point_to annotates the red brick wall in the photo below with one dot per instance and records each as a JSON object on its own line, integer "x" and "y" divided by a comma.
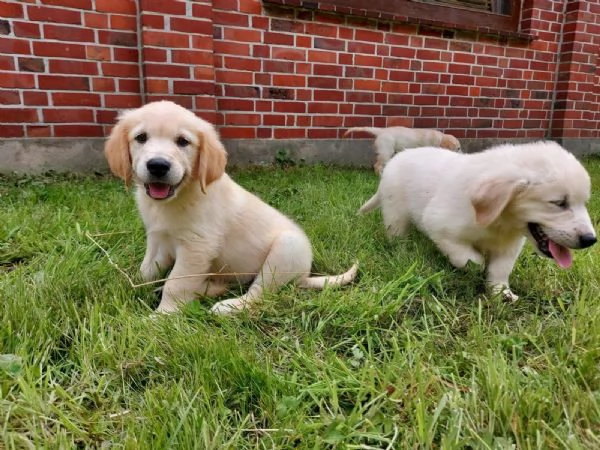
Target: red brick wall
{"x": 259, "y": 71}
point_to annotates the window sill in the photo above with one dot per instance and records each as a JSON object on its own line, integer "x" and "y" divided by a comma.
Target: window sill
{"x": 400, "y": 18}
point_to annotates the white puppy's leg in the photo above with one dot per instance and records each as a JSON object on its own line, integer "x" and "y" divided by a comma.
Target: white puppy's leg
{"x": 385, "y": 148}
{"x": 458, "y": 253}
{"x": 187, "y": 280}
{"x": 290, "y": 258}
{"x": 155, "y": 260}
{"x": 395, "y": 218}
{"x": 500, "y": 266}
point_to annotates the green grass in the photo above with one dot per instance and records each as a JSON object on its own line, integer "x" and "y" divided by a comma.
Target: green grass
{"x": 411, "y": 355}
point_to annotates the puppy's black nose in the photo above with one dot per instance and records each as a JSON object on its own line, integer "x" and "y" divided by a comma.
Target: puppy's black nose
{"x": 158, "y": 166}
{"x": 587, "y": 240}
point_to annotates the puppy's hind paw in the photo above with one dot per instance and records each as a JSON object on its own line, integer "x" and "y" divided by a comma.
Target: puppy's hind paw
{"x": 228, "y": 307}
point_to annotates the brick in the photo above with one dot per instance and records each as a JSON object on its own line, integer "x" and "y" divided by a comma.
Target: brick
{"x": 78, "y": 131}
{"x": 191, "y": 25}
{"x": 155, "y": 54}
{"x": 129, "y": 85}
{"x": 27, "y": 29}
{"x": 192, "y": 57}
{"x": 122, "y": 101}
{"x": 57, "y": 115}
{"x": 242, "y": 35}
{"x": 237, "y": 132}
{"x": 17, "y": 115}
{"x": 314, "y": 56}
{"x": 97, "y": 53}
{"x": 193, "y": 87}
{"x": 289, "y": 133}
{"x": 37, "y": 131}
{"x": 233, "y": 63}
{"x": 31, "y": 65}
{"x": 120, "y": 70}
{"x": 35, "y": 98}
{"x": 293, "y": 54}
{"x": 78, "y": 4}
{"x": 328, "y": 96}
{"x": 329, "y": 44}
{"x": 58, "y": 15}
{"x": 61, "y": 50}
{"x": 153, "y": 21}
{"x": 120, "y": 22}
{"x": 11, "y": 131}
{"x": 368, "y": 35}
{"x": 167, "y": 71}
{"x": 4, "y": 27}
{"x": 234, "y": 77}
{"x": 120, "y": 38}
{"x": 9, "y": 97}
{"x": 95, "y": 20}
{"x": 157, "y": 86}
{"x": 14, "y": 46}
{"x": 75, "y": 99}
{"x": 16, "y": 80}
{"x": 7, "y": 62}
{"x": 322, "y": 82}
{"x": 63, "y": 83}
{"x": 231, "y": 48}
{"x": 10, "y": 9}
{"x": 103, "y": 84}
{"x": 172, "y": 7}
{"x": 120, "y": 6}
{"x": 228, "y": 18}
{"x": 125, "y": 54}
{"x": 166, "y": 39}
{"x": 233, "y": 119}
{"x": 73, "y": 67}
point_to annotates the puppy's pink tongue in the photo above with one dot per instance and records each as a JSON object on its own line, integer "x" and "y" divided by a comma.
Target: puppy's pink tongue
{"x": 561, "y": 254}
{"x": 159, "y": 190}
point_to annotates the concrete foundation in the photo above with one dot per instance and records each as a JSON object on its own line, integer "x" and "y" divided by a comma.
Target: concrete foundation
{"x": 30, "y": 156}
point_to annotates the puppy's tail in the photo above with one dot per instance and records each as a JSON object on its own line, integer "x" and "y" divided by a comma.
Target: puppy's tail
{"x": 371, "y": 130}
{"x": 370, "y": 204}
{"x": 331, "y": 280}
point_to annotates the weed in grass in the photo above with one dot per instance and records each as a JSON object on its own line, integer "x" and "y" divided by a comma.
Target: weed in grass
{"x": 414, "y": 354}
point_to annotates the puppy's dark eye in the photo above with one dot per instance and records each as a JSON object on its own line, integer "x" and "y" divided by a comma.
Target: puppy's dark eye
{"x": 182, "y": 142}
{"x": 141, "y": 138}
{"x": 563, "y": 203}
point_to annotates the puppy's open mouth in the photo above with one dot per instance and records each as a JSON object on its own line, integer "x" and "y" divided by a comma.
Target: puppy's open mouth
{"x": 159, "y": 191}
{"x": 559, "y": 253}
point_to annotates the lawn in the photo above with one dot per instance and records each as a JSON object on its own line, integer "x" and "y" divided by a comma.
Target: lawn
{"x": 413, "y": 354}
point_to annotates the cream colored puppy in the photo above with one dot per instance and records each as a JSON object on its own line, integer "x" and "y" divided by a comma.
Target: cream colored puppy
{"x": 210, "y": 230}
{"x": 480, "y": 207}
{"x": 389, "y": 141}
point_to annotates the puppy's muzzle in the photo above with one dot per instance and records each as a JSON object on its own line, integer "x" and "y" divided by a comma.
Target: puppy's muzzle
{"x": 587, "y": 240}
{"x": 158, "y": 167}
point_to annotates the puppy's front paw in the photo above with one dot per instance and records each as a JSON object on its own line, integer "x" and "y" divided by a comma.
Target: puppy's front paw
{"x": 228, "y": 307}
{"x": 507, "y": 295}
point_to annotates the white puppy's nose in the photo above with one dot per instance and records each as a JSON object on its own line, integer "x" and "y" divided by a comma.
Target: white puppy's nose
{"x": 587, "y": 240}
{"x": 158, "y": 166}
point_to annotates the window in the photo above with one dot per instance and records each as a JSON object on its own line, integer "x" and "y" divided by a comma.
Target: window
{"x": 489, "y": 16}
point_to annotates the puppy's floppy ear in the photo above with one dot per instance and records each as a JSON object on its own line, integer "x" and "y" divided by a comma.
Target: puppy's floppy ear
{"x": 211, "y": 158}
{"x": 116, "y": 150}
{"x": 492, "y": 195}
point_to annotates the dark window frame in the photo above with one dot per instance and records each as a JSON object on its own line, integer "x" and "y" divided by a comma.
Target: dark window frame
{"x": 444, "y": 16}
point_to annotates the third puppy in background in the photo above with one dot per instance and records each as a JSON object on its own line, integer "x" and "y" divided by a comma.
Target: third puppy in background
{"x": 389, "y": 141}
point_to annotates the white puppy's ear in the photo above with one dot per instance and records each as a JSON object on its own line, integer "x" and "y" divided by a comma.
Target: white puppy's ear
{"x": 211, "y": 158}
{"x": 492, "y": 195}
{"x": 116, "y": 150}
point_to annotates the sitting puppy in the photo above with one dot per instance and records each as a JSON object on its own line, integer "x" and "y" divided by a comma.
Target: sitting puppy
{"x": 481, "y": 206}
{"x": 208, "y": 228}
{"x": 389, "y": 141}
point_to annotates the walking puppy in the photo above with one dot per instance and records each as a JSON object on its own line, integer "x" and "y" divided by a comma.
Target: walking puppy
{"x": 389, "y": 141}
{"x": 481, "y": 207}
{"x": 210, "y": 230}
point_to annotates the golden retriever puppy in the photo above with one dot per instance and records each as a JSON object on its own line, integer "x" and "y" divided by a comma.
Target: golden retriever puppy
{"x": 481, "y": 207}
{"x": 210, "y": 230}
{"x": 389, "y": 141}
